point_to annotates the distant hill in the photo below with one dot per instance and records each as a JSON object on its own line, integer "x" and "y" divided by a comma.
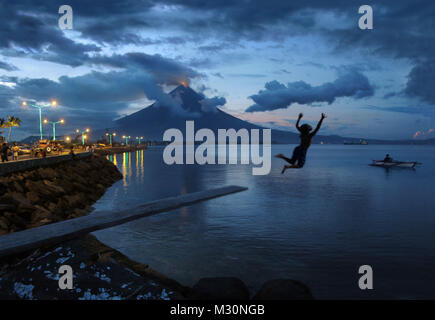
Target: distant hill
{"x": 30, "y": 139}
{"x": 152, "y": 121}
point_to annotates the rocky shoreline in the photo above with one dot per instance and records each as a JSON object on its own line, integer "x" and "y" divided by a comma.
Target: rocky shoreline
{"x": 65, "y": 191}
{"x": 50, "y": 194}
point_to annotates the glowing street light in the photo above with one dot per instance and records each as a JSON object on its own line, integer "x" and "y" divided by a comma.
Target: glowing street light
{"x": 139, "y": 138}
{"x": 110, "y": 136}
{"x": 83, "y": 133}
{"x": 54, "y": 123}
{"x": 126, "y": 139}
{"x": 53, "y": 103}
{"x": 68, "y": 139}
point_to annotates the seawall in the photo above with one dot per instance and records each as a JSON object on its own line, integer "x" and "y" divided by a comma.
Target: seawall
{"x": 23, "y": 165}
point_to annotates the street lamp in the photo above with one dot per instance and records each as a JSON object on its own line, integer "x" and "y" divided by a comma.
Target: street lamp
{"x": 139, "y": 138}
{"x": 40, "y": 107}
{"x": 126, "y": 139}
{"x": 54, "y": 123}
{"x": 110, "y": 137}
{"x": 83, "y": 133}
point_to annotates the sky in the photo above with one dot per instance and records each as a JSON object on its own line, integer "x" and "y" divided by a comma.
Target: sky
{"x": 262, "y": 61}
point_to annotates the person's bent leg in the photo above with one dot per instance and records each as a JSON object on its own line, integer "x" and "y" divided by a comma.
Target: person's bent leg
{"x": 281, "y": 156}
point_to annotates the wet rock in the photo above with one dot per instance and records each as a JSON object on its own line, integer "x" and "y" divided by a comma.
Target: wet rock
{"x": 222, "y": 288}
{"x": 283, "y": 289}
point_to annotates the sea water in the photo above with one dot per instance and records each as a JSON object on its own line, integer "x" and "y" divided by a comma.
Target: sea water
{"x": 318, "y": 224}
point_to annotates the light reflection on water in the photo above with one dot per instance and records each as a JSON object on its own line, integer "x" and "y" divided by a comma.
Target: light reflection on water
{"x": 317, "y": 225}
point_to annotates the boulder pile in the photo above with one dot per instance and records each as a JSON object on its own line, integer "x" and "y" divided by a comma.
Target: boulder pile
{"x": 50, "y": 194}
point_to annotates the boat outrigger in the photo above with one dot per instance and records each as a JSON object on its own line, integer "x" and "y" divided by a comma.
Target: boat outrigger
{"x": 394, "y": 164}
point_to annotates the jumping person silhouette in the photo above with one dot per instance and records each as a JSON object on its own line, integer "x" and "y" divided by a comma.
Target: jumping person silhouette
{"x": 300, "y": 152}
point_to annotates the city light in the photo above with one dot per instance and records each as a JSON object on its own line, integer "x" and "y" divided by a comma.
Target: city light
{"x": 110, "y": 137}
{"x": 83, "y": 133}
{"x": 126, "y": 139}
{"x": 140, "y": 139}
{"x": 40, "y": 107}
{"x": 54, "y": 123}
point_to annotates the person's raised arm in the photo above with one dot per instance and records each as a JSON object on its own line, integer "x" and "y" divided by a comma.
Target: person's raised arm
{"x": 318, "y": 125}
{"x": 297, "y": 122}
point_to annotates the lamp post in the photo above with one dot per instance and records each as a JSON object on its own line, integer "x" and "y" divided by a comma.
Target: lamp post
{"x": 110, "y": 137}
{"x": 54, "y": 123}
{"x": 126, "y": 139}
{"x": 40, "y": 107}
{"x": 139, "y": 138}
{"x": 84, "y": 136}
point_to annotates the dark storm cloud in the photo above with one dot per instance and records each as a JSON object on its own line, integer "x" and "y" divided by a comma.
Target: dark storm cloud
{"x": 26, "y": 34}
{"x": 164, "y": 70}
{"x": 254, "y": 15}
{"x": 106, "y": 92}
{"x": 421, "y": 82}
{"x": 279, "y": 96}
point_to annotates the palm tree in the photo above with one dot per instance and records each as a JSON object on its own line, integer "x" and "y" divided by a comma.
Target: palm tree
{"x": 12, "y": 122}
{"x": 2, "y": 127}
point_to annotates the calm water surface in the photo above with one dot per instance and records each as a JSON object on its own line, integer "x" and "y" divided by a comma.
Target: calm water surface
{"x": 317, "y": 225}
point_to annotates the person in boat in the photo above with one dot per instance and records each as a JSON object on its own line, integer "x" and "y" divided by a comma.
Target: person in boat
{"x": 388, "y": 159}
{"x": 299, "y": 153}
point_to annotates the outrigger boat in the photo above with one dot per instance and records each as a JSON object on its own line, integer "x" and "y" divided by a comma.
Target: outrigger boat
{"x": 394, "y": 164}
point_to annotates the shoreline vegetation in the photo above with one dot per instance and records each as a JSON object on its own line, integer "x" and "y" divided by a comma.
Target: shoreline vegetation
{"x": 67, "y": 190}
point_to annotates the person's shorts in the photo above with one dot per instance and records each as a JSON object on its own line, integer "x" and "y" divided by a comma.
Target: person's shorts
{"x": 299, "y": 156}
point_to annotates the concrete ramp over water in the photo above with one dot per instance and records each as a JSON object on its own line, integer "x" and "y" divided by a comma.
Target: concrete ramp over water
{"x": 54, "y": 233}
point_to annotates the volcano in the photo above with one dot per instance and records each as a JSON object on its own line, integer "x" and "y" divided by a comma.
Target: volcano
{"x": 152, "y": 121}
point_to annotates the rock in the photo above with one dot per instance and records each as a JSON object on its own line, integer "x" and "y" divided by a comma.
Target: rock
{"x": 20, "y": 200}
{"x": 39, "y": 187}
{"x": 79, "y": 212}
{"x": 38, "y": 216}
{"x": 32, "y": 197}
{"x": 3, "y": 188}
{"x": 4, "y": 223}
{"x": 18, "y": 187}
{"x": 54, "y": 188}
{"x": 283, "y": 289}
{"x": 15, "y": 221}
{"x": 222, "y": 288}
{"x": 48, "y": 173}
{"x": 76, "y": 200}
{"x": 52, "y": 207}
{"x": 6, "y": 207}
